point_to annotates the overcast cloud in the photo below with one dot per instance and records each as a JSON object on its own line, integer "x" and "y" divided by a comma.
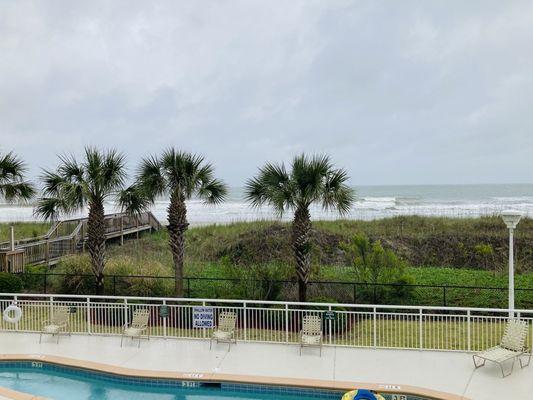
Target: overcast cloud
{"x": 395, "y": 91}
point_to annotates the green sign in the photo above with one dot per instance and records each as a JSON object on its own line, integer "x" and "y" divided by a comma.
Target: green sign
{"x": 72, "y": 309}
{"x": 163, "y": 311}
{"x": 330, "y": 315}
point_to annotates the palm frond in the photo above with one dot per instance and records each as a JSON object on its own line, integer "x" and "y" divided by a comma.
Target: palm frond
{"x": 337, "y": 195}
{"x": 11, "y": 168}
{"x": 151, "y": 178}
{"x": 133, "y": 200}
{"x": 12, "y": 184}
{"x": 272, "y": 186}
{"x": 311, "y": 179}
{"x": 17, "y": 191}
{"x": 50, "y": 208}
{"x": 213, "y": 191}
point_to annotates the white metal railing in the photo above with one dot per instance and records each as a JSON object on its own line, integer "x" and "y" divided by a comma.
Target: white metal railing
{"x": 357, "y": 325}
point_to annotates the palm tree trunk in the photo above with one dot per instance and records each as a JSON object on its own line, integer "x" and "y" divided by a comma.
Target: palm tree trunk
{"x": 96, "y": 243}
{"x": 301, "y": 229}
{"x": 177, "y": 225}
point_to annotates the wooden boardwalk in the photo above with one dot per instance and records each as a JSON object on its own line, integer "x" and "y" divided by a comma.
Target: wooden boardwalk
{"x": 68, "y": 237}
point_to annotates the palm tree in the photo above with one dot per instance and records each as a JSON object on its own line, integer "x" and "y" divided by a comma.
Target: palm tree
{"x": 13, "y": 187}
{"x": 75, "y": 185}
{"x": 310, "y": 180}
{"x": 181, "y": 176}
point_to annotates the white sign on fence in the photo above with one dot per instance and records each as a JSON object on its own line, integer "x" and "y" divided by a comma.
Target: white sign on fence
{"x": 202, "y": 317}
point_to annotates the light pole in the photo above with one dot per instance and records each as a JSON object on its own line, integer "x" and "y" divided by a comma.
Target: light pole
{"x": 511, "y": 219}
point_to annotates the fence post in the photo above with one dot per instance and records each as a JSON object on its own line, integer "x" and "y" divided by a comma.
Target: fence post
{"x": 286, "y": 323}
{"x": 444, "y": 295}
{"x": 88, "y": 315}
{"x": 165, "y": 322}
{"x": 421, "y": 329}
{"x": 125, "y": 312}
{"x": 203, "y": 329}
{"x": 15, "y": 301}
{"x": 329, "y": 327}
{"x": 245, "y": 321}
{"x": 189, "y": 287}
{"x": 114, "y": 285}
{"x": 468, "y": 331}
{"x": 45, "y": 284}
{"x": 375, "y": 333}
{"x": 354, "y": 293}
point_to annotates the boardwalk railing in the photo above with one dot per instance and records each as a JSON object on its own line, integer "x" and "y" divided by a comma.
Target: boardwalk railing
{"x": 68, "y": 237}
{"x": 356, "y": 325}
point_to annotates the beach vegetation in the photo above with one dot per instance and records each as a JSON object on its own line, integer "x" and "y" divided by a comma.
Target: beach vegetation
{"x": 310, "y": 180}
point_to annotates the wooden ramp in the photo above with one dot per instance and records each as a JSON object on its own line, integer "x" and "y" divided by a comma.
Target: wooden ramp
{"x": 68, "y": 237}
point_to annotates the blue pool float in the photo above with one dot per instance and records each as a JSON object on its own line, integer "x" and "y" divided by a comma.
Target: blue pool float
{"x": 362, "y": 394}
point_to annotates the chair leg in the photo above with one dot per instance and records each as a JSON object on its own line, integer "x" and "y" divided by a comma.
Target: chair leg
{"x": 510, "y": 371}
{"x": 523, "y": 365}
{"x": 139, "y": 345}
{"x": 210, "y": 343}
{"x": 476, "y": 364}
{"x": 57, "y": 340}
{"x": 121, "y": 340}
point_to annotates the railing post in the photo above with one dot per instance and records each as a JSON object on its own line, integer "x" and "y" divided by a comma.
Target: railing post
{"x": 15, "y": 300}
{"x": 204, "y": 332}
{"x": 329, "y": 327}
{"x": 245, "y": 321}
{"x": 375, "y": 324}
{"x": 421, "y": 329}
{"x": 468, "y": 331}
{"x": 165, "y": 322}
{"x": 286, "y": 323}
{"x": 88, "y": 315}
{"x": 125, "y": 312}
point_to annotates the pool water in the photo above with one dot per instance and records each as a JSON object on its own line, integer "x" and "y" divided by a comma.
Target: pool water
{"x": 64, "y": 383}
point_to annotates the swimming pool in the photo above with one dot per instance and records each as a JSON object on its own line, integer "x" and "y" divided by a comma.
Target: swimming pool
{"x": 66, "y": 383}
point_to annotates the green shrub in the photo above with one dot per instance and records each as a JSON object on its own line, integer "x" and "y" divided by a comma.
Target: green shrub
{"x": 74, "y": 276}
{"x": 33, "y": 279}
{"x": 256, "y": 281}
{"x": 10, "y": 283}
{"x": 381, "y": 268}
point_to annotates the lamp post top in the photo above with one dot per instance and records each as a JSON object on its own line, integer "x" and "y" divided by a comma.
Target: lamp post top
{"x": 511, "y": 218}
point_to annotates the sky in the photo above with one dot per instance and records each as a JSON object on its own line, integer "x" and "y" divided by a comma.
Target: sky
{"x": 396, "y": 92}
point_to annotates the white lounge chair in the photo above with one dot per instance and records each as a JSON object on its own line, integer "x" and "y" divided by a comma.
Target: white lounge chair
{"x": 225, "y": 330}
{"x": 58, "y": 322}
{"x": 512, "y": 347}
{"x": 138, "y": 326}
{"x": 311, "y": 333}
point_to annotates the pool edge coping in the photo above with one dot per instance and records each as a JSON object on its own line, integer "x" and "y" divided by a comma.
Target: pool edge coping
{"x": 217, "y": 377}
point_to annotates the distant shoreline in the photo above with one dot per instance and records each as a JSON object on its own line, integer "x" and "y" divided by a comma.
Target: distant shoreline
{"x": 373, "y": 202}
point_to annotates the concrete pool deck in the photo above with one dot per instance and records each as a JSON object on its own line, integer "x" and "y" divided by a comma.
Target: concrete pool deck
{"x": 448, "y": 372}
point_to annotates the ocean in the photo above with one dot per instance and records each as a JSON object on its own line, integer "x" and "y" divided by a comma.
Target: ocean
{"x": 373, "y": 202}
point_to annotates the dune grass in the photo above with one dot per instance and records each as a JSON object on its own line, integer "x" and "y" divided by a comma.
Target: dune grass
{"x": 23, "y": 230}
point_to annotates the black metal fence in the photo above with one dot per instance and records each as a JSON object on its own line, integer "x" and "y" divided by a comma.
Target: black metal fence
{"x": 283, "y": 290}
